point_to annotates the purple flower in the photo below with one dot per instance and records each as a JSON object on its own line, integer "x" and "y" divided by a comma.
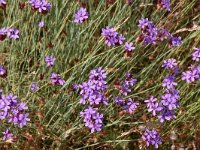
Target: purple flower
{"x": 3, "y": 71}
{"x": 4, "y": 104}
{"x": 176, "y": 41}
{"x": 125, "y": 88}
{"x": 56, "y": 79}
{"x": 81, "y": 15}
{"x": 131, "y": 105}
{"x": 151, "y": 137}
{"x": 41, "y": 24}
{"x": 169, "y": 101}
{"x": 170, "y": 63}
{"x": 41, "y": 5}
{"x": 129, "y": 47}
{"x": 93, "y": 90}
{"x": 3, "y": 33}
{"x": 50, "y": 60}
{"x": 92, "y": 119}
{"x": 168, "y": 82}
{"x": 196, "y": 54}
{"x": 22, "y": 106}
{"x": 191, "y": 75}
{"x": 13, "y": 33}
{"x": 22, "y": 119}
{"x": 143, "y": 23}
{"x": 7, "y": 135}
{"x": 34, "y": 87}
{"x": 3, "y": 3}
{"x": 164, "y": 34}
{"x": 152, "y": 105}
{"x": 166, "y": 114}
{"x": 112, "y": 38}
{"x": 119, "y": 101}
{"x": 166, "y": 4}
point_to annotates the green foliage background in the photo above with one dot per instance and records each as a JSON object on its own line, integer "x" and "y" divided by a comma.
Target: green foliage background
{"x": 55, "y": 121}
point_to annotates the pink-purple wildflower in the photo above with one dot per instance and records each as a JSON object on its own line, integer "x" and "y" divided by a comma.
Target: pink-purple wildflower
{"x": 152, "y": 137}
{"x": 7, "y": 135}
{"x": 129, "y": 47}
{"x": 13, "y": 33}
{"x": 166, "y": 4}
{"x": 3, "y": 33}
{"x": 43, "y": 6}
{"x": 3, "y": 71}
{"x": 41, "y": 24}
{"x": 169, "y": 63}
{"x": 112, "y": 37}
{"x": 13, "y": 110}
{"x": 56, "y": 79}
{"x": 196, "y": 54}
{"x": 50, "y": 60}
{"x": 81, "y": 15}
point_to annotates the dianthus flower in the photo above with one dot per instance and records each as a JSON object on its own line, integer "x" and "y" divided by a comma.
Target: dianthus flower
{"x": 129, "y": 47}
{"x": 3, "y": 71}
{"x": 191, "y": 75}
{"x": 125, "y": 88}
{"x": 3, "y": 33}
{"x": 176, "y": 41}
{"x": 196, "y": 54}
{"x": 50, "y": 60}
{"x": 169, "y": 63}
{"x": 119, "y": 101}
{"x": 13, "y": 110}
{"x": 131, "y": 105}
{"x": 41, "y": 24}
{"x": 3, "y": 3}
{"x": 166, "y": 114}
{"x": 166, "y": 4}
{"x": 168, "y": 82}
{"x": 81, "y": 15}
{"x": 34, "y": 87}
{"x": 56, "y": 79}
{"x": 42, "y": 6}
{"x": 152, "y": 105}
{"x": 92, "y": 119}
{"x": 7, "y": 135}
{"x": 151, "y": 137}
{"x": 93, "y": 90}
{"x": 13, "y": 33}
{"x": 112, "y": 38}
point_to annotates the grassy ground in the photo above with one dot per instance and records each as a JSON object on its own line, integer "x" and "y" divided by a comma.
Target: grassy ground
{"x": 54, "y": 111}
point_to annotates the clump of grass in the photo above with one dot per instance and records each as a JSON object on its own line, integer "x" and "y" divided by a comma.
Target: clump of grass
{"x": 78, "y": 48}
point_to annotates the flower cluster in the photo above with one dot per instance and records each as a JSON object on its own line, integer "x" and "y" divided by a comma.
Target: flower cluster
{"x": 92, "y": 119}
{"x": 166, "y": 4}
{"x": 13, "y": 110}
{"x": 151, "y": 34}
{"x": 125, "y": 88}
{"x": 166, "y": 108}
{"x": 43, "y": 6}
{"x": 50, "y": 60}
{"x": 11, "y": 33}
{"x": 3, "y": 72}
{"x": 169, "y": 63}
{"x": 151, "y": 137}
{"x": 112, "y": 37}
{"x": 81, "y": 16}
{"x": 56, "y": 79}
{"x": 41, "y": 24}
{"x": 3, "y": 4}
{"x": 34, "y": 87}
{"x": 7, "y": 135}
{"x": 92, "y": 92}
{"x": 191, "y": 75}
{"x": 196, "y": 54}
